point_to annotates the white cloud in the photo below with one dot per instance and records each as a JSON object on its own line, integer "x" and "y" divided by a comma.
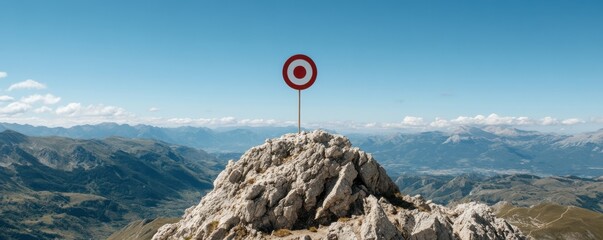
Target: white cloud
{"x": 524, "y": 121}
{"x": 180, "y": 121}
{"x": 548, "y": 121}
{"x": 27, "y": 84}
{"x": 47, "y": 99}
{"x": 440, "y": 123}
{"x": 43, "y": 109}
{"x": 14, "y": 108}
{"x": 492, "y": 119}
{"x": 102, "y": 110}
{"x": 571, "y": 121}
{"x": 3, "y": 74}
{"x": 228, "y": 120}
{"x": 75, "y": 113}
{"x": 412, "y": 121}
{"x": 77, "y": 110}
{"x": 418, "y": 123}
{"x": 6, "y": 98}
{"x": 257, "y": 122}
{"x": 69, "y": 109}
{"x": 219, "y": 122}
{"x": 408, "y": 121}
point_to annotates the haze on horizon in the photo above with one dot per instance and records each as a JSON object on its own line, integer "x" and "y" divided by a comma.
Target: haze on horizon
{"x": 389, "y": 65}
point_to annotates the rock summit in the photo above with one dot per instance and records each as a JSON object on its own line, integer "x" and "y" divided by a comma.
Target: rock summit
{"x": 315, "y": 185}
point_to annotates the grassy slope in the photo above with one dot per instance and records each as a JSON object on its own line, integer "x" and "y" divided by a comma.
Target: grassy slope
{"x": 141, "y": 229}
{"x": 552, "y": 221}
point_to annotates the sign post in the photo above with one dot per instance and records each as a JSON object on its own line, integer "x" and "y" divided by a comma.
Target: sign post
{"x": 299, "y": 73}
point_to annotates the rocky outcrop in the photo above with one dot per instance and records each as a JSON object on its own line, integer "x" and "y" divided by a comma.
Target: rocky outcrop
{"x": 317, "y": 186}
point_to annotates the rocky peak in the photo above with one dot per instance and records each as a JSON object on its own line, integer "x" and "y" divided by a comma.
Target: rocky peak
{"x": 316, "y": 185}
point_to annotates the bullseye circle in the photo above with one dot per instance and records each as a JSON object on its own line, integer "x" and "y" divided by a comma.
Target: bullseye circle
{"x": 299, "y": 72}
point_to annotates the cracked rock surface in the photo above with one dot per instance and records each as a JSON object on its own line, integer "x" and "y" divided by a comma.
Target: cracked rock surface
{"x": 318, "y": 181}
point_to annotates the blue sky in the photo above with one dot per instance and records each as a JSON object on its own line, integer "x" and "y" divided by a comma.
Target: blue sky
{"x": 387, "y": 64}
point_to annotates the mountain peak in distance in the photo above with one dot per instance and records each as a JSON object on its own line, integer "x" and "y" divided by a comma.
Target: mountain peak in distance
{"x": 12, "y": 137}
{"x": 315, "y": 185}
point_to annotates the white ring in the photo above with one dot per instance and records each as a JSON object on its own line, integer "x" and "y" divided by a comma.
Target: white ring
{"x": 304, "y": 64}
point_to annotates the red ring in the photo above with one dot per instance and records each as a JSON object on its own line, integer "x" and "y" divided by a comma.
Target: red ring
{"x": 312, "y": 78}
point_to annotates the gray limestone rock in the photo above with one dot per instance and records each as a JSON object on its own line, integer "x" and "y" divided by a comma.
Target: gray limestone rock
{"x": 376, "y": 225}
{"x": 316, "y": 180}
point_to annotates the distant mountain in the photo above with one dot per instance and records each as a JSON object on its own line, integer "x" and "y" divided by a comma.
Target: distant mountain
{"x": 593, "y": 139}
{"x": 212, "y": 140}
{"x": 63, "y": 188}
{"x": 485, "y": 150}
{"x": 520, "y": 189}
{"x": 493, "y": 150}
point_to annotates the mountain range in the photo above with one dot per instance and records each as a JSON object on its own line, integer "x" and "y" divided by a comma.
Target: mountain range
{"x": 211, "y": 140}
{"x": 63, "y": 188}
{"x": 485, "y": 150}
{"x": 100, "y": 180}
{"x": 488, "y": 150}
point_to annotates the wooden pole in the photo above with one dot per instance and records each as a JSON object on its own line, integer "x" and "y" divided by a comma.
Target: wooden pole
{"x": 298, "y": 111}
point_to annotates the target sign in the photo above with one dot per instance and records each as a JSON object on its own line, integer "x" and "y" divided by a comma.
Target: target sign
{"x": 299, "y": 72}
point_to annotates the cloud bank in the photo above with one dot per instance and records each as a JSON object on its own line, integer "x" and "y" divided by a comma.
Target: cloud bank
{"x": 43, "y": 109}
{"x": 98, "y": 110}
{"x": 480, "y": 120}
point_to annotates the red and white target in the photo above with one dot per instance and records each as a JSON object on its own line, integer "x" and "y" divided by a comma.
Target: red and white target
{"x": 299, "y": 72}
